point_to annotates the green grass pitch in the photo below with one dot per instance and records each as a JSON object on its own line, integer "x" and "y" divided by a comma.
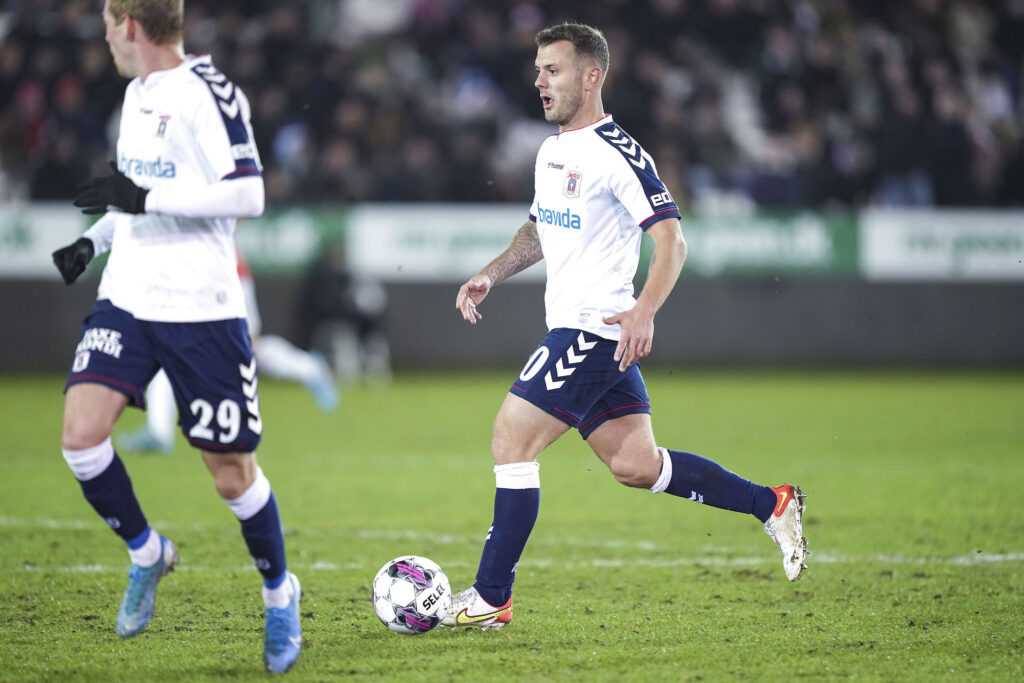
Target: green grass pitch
{"x": 914, "y": 519}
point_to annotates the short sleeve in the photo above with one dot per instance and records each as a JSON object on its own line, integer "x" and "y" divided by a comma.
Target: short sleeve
{"x": 634, "y": 179}
{"x": 222, "y": 127}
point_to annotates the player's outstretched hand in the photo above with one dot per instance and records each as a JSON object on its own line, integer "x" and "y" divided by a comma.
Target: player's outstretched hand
{"x": 72, "y": 259}
{"x": 636, "y": 337}
{"x": 117, "y": 190}
{"x": 470, "y": 296}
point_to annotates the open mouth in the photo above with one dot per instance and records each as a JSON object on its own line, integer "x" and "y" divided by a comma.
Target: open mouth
{"x": 546, "y": 101}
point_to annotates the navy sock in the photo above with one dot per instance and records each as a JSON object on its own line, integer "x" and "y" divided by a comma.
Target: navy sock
{"x": 515, "y": 512}
{"x": 265, "y": 539}
{"x": 112, "y": 496}
{"x": 705, "y": 481}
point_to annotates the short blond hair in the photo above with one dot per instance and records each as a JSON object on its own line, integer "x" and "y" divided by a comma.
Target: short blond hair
{"x": 162, "y": 20}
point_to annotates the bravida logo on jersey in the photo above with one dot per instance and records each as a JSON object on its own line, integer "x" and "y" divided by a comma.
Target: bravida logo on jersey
{"x": 559, "y": 219}
{"x": 571, "y": 185}
{"x": 149, "y": 168}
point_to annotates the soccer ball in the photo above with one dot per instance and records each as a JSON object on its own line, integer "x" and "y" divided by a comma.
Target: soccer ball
{"x": 411, "y": 595}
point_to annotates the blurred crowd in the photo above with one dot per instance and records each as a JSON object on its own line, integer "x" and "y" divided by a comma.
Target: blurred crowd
{"x": 779, "y": 103}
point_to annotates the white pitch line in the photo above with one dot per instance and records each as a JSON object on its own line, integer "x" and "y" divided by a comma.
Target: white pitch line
{"x": 594, "y": 563}
{"x": 370, "y": 534}
{"x": 709, "y": 556}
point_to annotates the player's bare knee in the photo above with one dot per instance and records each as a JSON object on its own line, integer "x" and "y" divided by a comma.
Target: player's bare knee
{"x": 229, "y": 486}
{"x": 231, "y": 481}
{"x": 504, "y": 447}
{"x": 233, "y": 473}
{"x": 633, "y": 472}
{"x": 626, "y": 472}
{"x": 77, "y": 435}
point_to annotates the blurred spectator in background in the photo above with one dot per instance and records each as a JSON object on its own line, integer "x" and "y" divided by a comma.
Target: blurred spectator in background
{"x": 343, "y": 317}
{"x": 827, "y": 103}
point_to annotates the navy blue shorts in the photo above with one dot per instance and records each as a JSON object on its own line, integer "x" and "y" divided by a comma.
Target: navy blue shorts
{"x": 573, "y": 376}
{"x": 210, "y": 364}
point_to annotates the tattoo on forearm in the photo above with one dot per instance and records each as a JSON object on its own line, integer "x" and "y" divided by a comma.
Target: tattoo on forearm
{"x": 520, "y": 255}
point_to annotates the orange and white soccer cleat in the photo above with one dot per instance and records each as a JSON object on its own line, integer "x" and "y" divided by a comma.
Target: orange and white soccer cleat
{"x": 469, "y": 609}
{"x": 785, "y": 526}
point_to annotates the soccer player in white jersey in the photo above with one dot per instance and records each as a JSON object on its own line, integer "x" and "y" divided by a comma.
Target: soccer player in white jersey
{"x": 170, "y": 298}
{"x": 596, "y": 192}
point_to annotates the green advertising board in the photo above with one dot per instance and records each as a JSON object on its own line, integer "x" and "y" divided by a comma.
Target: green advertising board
{"x": 450, "y": 242}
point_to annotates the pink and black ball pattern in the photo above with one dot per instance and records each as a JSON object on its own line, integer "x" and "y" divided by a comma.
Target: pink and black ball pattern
{"x": 411, "y": 595}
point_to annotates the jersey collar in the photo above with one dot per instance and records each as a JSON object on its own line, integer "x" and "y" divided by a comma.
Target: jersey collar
{"x": 600, "y": 122}
{"x": 156, "y": 77}
{"x": 188, "y": 61}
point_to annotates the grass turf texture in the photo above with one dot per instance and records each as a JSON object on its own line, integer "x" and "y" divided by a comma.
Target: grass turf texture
{"x": 914, "y": 521}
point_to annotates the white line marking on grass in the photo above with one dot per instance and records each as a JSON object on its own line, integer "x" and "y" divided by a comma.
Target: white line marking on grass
{"x": 594, "y": 563}
{"x": 813, "y": 558}
{"x": 43, "y": 523}
{"x": 709, "y": 555}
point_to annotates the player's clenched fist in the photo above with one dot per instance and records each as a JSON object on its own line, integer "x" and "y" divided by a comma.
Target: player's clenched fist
{"x": 116, "y": 189}
{"x": 72, "y": 259}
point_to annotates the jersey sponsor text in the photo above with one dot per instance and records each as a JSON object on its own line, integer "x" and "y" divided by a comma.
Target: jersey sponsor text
{"x": 103, "y": 340}
{"x": 559, "y": 219}
{"x": 147, "y": 168}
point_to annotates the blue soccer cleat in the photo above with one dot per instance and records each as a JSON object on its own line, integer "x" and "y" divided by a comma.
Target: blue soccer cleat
{"x": 323, "y": 386}
{"x": 140, "y": 596}
{"x": 143, "y": 440}
{"x": 283, "y": 635}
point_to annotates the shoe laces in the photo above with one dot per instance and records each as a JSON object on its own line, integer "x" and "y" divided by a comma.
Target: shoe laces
{"x": 464, "y": 599}
{"x": 277, "y": 627}
{"x": 138, "y": 579}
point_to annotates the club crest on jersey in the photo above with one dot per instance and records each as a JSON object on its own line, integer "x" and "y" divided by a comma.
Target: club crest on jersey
{"x": 81, "y": 361}
{"x": 571, "y": 185}
{"x": 161, "y": 130}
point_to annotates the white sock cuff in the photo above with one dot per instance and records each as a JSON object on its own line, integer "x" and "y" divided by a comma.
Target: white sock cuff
{"x": 517, "y": 475}
{"x": 253, "y": 500}
{"x": 90, "y": 463}
{"x": 149, "y": 552}
{"x": 280, "y": 596}
{"x": 666, "y": 472}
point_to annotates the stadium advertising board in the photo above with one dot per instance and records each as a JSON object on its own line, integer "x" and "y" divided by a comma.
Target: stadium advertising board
{"x": 450, "y": 242}
{"x": 285, "y": 241}
{"x": 29, "y": 233}
{"x": 942, "y": 245}
{"x": 771, "y": 243}
{"x": 443, "y": 243}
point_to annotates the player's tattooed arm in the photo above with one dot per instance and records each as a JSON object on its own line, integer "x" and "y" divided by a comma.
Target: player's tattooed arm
{"x": 523, "y": 252}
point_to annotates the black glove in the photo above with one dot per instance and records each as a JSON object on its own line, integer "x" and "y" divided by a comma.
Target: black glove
{"x": 72, "y": 259}
{"x": 117, "y": 190}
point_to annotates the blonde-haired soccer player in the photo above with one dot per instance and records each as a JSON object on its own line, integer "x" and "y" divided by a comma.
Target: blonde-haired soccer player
{"x": 187, "y": 168}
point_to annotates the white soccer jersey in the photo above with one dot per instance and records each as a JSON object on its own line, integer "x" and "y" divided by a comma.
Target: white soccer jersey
{"x": 182, "y": 128}
{"x": 595, "y": 192}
